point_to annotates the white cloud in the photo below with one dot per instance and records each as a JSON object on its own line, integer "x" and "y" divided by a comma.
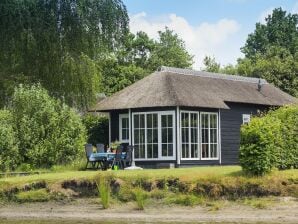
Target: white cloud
{"x": 217, "y": 39}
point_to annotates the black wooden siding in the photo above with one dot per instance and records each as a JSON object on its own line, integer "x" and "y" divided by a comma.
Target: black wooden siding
{"x": 231, "y": 121}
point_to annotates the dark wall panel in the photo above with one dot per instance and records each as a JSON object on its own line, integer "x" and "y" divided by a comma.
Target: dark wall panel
{"x": 231, "y": 121}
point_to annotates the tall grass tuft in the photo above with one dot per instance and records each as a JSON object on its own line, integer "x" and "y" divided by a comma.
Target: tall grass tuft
{"x": 140, "y": 197}
{"x": 104, "y": 192}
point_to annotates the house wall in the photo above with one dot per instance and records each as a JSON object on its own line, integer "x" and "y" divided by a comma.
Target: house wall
{"x": 231, "y": 121}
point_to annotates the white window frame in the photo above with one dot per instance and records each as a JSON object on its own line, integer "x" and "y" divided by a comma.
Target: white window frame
{"x": 159, "y": 114}
{"x": 217, "y": 123}
{"x": 123, "y": 116}
{"x": 199, "y": 133}
{"x": 246, "y": 116}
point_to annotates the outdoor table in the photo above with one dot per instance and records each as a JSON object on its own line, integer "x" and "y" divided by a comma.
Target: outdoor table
{"x": 106, "y": 157}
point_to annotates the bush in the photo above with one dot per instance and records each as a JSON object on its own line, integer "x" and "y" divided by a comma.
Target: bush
{"x": 97, "y": 128}
{"x": 9, "y": 154}
{"x": 270, "y": 141}
{"x": 49, "y": 132}
{"x": 40, "y": 195}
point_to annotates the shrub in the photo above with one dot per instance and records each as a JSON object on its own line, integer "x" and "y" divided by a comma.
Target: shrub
{"x": 49, "y": 131}
{"x": 97, "y": 128}
{"x": 140, "y": 197}
{"x": 9, "y": 154}
{"x": 270, "y": 141}
{"x": 104, "y": 192}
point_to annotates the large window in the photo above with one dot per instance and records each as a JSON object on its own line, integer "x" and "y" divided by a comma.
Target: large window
{"x": 154, "y": 135}
{"x": 189, "y": 135}
{"x": 124, "y": 128}
{"x": 209, "y": 136}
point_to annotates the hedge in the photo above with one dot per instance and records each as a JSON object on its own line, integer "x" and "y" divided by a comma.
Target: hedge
{"x": 270, "y": 141}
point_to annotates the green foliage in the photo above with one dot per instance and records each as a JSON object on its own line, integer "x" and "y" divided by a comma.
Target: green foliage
{"x": 280, "y": 29}
{"x": 212, "y": 66}
{"x": 9, "y": 153}
{"x": 185, "y": 200}
{"x": 49, "y": 132}
{"x": 169, "y": 51}
{"x": 40, "y": 195}
{"x": 58, "y": 43}
{"x": 140, "y": 56}
{"x": 97, "y": 128}
{"x": 140, "y": 197}
{"x": 104, "y": 192}
{"x": 269, "y": 141}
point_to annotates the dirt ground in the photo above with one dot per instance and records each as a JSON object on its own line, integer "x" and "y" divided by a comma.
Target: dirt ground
{"x": 88, "y": 210}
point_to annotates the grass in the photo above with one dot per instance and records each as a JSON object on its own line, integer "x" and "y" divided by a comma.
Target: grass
{"x": 260, "y": 203}
{"x": 140, "y": 197}
{"x": 40, "y": 195}
{"x": 183, "y": 186}
{"x": 104, "y": 192}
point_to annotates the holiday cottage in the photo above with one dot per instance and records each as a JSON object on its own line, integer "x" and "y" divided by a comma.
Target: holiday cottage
{"x": 186, "y": 117}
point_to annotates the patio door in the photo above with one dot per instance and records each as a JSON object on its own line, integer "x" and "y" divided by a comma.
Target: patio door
{"x": 154, "y": 135}
{"x": 167, "y": 135}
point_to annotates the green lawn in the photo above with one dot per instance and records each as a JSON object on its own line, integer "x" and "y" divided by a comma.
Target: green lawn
{"x": 185, "y": 174}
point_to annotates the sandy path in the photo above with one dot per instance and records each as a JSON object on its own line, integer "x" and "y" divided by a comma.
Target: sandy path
{"x": 88, "y": 210}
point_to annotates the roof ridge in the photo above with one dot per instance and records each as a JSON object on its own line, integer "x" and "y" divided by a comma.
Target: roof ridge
{"x": 185, "y": 71}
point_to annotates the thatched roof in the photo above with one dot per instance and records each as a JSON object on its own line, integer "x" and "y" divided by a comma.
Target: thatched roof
{"x": 185, "y": 87}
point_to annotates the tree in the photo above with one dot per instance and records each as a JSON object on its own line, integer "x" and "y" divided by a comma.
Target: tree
{"x": 140, "y": 56}
{"x": 59, "y": 43}
{"x": 212, "y": 66}
{"x": 9, "y": 153}
{"x": 169, "y": 50}
{"x": 280, "y": 29}
{"x": 49, "y": 131}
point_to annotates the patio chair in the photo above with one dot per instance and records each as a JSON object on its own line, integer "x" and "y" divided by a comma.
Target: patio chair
{"x": 128, "y": 158}
{"x": 100, "y": 148}
{"x": 117, "y": 161}
{"x": 90, "y": 159}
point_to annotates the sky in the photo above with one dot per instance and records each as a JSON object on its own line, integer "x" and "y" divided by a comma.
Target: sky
{"x": 217, "y": 28}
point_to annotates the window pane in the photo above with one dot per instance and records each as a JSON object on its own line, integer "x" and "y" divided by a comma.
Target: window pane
{"x": 137, "y": 154}
{"x": 170, "y": 150}
{"x": 194, "y": 135}
{"x": 163, "y": 120}
{"x": 136, "y": 136}
{"x": 184, "y": 135}
{"x": 155, "y": 150}
{"x": 205, "y": 152}
{"x": 213, "y": 150}
{"x": 149, "y": 120}
{"x": 205, "y": 137}
{"x": 194, "y": 120}
{"x": 154, "y": 120}
{"x": 142, "y": 121}
{"x": 184, "y": 119}
{"x": 213, "y": 120}
{"x": 213, "y": 136}
{"x": 170, "y": 121}
{"x": 164, "y": 135}
{"x": 149, "y": 136}
{"x": 149, "y": 151}
{"x": 136, "y": 121}
{"x": 155, "y": 135}
{"x": 164, "y": 150}
{"x": 194, "y": 151}
{"x": 170, "y": 135}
